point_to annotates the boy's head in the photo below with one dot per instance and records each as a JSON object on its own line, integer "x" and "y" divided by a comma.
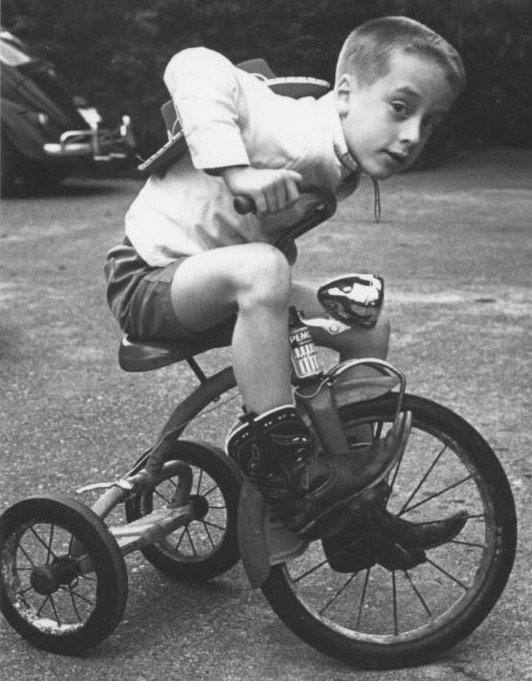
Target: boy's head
{"x": 395, "y": 80}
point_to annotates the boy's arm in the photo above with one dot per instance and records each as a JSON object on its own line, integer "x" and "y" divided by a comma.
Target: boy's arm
{"x": 206, "y": 93}
{"x": 204, "y": 88}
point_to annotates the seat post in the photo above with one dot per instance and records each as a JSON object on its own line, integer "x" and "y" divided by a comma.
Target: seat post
{"x": 196, "y": 369}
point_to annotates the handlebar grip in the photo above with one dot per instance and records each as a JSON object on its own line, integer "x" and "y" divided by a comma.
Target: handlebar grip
{"x": 244, "y": 205}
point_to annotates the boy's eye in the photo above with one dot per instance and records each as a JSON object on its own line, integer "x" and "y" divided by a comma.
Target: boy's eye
{"x": 400, "y": 108}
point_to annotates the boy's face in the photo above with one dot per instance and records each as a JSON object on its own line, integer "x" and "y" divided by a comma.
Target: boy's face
{"x": 386, "y": 124}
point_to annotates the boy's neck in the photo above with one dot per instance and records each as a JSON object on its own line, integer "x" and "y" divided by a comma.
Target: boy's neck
{"x": 347, "y": 160}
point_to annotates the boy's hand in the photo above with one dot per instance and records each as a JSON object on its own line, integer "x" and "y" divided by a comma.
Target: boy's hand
{"x": 271, "y": 190}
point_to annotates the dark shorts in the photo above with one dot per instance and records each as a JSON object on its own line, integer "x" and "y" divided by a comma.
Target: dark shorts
{"x": 140, "y": 299}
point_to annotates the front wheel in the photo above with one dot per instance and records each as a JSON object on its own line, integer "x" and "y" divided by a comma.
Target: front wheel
{"x": 63, "y": 577}
{"x": 392, "y": 615}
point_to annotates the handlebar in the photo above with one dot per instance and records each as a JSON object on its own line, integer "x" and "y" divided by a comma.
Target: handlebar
{"x": 244, "y": 205}
{"x": 322, "y": 205}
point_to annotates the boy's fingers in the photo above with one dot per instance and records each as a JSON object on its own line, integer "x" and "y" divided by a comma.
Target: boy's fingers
{"x": 297, "y": 177}
{"x": 292, "y": 193}
{"x": 261, "y": 204}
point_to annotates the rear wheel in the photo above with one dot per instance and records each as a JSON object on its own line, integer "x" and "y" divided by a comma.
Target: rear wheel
{"x": 208, "y": 546}
{"x": 385, "y": 617}
{"x": 63, "y": 578}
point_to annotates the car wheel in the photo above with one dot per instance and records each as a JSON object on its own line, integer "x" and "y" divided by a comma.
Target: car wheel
{"x": 42, "y": 177}
{"x": 10, "y": 163}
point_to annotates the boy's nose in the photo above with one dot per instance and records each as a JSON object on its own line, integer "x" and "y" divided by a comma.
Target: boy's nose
{"x": 410, "y": 133}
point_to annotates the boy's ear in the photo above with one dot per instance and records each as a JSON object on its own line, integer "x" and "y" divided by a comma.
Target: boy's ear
{"x": 343, "y": 91}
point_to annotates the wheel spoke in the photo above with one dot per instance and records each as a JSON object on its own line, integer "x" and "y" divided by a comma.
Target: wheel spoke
{"x": 200, "y": 478}
{"x": 448, "y": 574}
{"x": 218, "y": 527}
{"x": 50, "y": 540}
{"x": 27, "y": 556}
{"x": 47, "y": 547}
{"x": 436, "y": 494}
{"x": 395, "y": 618}
{"x": 417, "y": 592}
{"x": 191, "y": 542}
{"x": 208, "y": 533}
{"x": 362, "y": 599}
{"x": 25, "y": 591}
{"x": 468, "y": 543}
{"x": 338, "y": 593}
{"x": 162, "y": 496}
{"x": 42, "y": 606}
{"x": 74, "y": 606}
{"x": 180, "y": 539}
{"x": 310, "y": 571}
{"x": 420, "y": 484}
{"x": 75, "y": 593}
{"x": 57, "y": 618}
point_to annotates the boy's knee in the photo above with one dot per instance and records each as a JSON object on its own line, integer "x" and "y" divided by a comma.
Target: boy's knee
{"x": 264, "y": 274}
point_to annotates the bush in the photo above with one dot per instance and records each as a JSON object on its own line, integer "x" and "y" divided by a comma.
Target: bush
{"x": 115, "y": 52}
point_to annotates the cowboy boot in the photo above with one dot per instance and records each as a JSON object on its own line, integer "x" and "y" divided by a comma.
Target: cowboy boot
{"x": 395, "y": 543}
{"x": 426, "y": 535}
{"x": 307, "y": 488}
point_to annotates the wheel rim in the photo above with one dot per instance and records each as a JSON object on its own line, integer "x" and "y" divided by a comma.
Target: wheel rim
{"x": 434, "y": 479}
{"x": 42, "y": 582}
{"x": 201, "y": 538}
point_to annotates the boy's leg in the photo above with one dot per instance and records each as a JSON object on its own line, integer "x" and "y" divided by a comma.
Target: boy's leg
{"x": 252, "y": 280}
{"x": 273, "y": 446}
{"x": 343, "y": 549}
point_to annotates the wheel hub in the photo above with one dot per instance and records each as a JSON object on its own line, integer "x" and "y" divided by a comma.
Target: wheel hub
{"x": 47, "y": 579}
{"x": 200, "y": 504}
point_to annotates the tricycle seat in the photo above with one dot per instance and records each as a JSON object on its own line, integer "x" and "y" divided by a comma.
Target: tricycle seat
{"x": 137, "y": 355}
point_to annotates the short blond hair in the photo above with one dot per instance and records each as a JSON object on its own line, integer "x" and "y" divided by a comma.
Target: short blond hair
{"x": 367, "y": 50}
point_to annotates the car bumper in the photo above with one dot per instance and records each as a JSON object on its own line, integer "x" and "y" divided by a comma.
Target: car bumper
{"x": 95, "y": 144}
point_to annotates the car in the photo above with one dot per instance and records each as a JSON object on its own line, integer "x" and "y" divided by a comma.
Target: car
{"x": 46, "y": 132}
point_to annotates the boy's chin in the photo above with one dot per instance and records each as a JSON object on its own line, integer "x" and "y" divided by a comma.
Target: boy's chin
{"x": 380, "y": 173}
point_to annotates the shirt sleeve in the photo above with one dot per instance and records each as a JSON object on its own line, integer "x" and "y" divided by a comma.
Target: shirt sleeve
{"x": 205, "y": 90}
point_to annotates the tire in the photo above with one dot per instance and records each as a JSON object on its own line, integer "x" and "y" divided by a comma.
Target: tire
{"x": 42, "y": 177}
{"x": 391, "y": 618}
{"x": 208, "y": 547}
{"x": 11, "y": 163}
{"x": 78, "y": 608}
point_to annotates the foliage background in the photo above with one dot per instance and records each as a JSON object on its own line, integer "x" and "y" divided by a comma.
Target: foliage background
{"x": 114, "y": 51}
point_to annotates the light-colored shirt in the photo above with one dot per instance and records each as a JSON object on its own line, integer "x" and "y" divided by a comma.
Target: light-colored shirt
{"x": 229, "y": 117}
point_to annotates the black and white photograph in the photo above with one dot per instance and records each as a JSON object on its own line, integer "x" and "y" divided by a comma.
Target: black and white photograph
{"x": 265, "y": 340}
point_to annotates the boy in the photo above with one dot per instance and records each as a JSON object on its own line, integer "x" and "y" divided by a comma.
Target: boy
{"x": 190, "y": 265}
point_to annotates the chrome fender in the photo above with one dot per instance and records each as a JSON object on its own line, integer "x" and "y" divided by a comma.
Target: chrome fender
{"x": 263, "y": 540}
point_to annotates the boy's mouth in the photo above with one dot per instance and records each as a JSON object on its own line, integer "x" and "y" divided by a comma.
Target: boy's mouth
{"x": 399, "y": 159}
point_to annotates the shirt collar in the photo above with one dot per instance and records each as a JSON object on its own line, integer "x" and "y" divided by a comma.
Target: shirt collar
{"x": 348, "y": 164}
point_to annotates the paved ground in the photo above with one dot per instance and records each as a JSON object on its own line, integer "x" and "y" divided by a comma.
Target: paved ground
{"x": 455, "y": 248}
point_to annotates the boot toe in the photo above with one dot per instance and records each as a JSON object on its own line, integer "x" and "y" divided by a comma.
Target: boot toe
{"x": 427, "y": 535}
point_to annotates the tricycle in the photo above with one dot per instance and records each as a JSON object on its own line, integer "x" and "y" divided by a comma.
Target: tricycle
{"x": 363, "y": 598}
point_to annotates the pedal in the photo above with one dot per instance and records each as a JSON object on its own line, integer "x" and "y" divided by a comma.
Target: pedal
{"x": 152, "y": 527}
